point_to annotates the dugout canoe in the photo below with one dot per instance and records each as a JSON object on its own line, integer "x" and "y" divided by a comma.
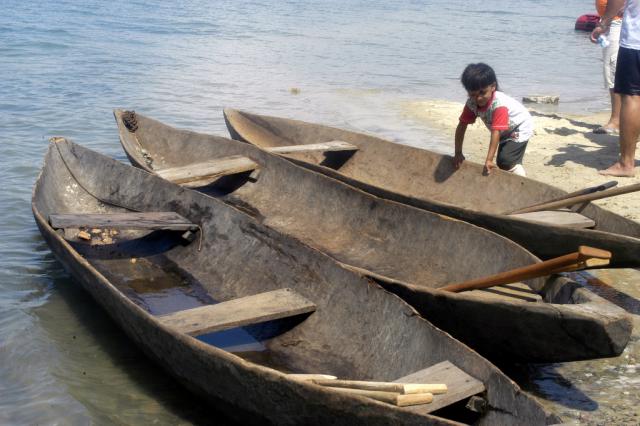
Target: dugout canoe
{"x": 427, "y": 180}
{"x": 163, "y": 288}
{"x": 409, "y": 251}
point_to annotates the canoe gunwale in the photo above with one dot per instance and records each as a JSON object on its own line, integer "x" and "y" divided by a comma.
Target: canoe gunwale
{"x": 135, "y": 321}
{"x": 554, "y": 236}
{"x": 590, "y": 301}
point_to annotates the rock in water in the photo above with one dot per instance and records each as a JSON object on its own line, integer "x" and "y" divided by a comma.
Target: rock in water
{"x": 538, "y": 99}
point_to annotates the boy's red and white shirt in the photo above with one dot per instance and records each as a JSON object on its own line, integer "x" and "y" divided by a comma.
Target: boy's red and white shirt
{"x": 501, "y": 113}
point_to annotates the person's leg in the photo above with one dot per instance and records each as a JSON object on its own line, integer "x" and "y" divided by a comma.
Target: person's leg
{"x": 614, "y": 120}
{"x": 609, "y": 61}
{"x": 629, "y": 133}
{"x": 627, "y": 84}
{"x": 510, "y": 155}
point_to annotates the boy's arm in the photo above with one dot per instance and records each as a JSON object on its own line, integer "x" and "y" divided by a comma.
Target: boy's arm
{"x": 458, "y": 158}
{"x": 491, "y": 154}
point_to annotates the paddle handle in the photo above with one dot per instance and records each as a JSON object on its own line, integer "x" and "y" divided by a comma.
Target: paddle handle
{"x": 569, "y": 261}
{"x": 581, "y": 199}
{"x": 584, "y": 191}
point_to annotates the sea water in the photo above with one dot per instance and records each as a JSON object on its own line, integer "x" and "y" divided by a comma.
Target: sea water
{"x": 353, "y": 64}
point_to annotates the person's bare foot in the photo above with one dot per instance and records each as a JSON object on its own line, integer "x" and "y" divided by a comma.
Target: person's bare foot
{"x": 618, "y": 170}
{"x": 607, "y": 130}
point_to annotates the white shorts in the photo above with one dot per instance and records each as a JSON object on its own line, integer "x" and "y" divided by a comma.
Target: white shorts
{"x": 610, "y": 54}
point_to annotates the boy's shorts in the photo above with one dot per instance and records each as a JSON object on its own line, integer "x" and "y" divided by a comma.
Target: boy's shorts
{"x": 510, "y": 153}
{"x": 628, "y": 72}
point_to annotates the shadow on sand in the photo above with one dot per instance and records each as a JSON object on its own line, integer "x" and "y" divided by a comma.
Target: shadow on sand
{"x": 600, "y": 157}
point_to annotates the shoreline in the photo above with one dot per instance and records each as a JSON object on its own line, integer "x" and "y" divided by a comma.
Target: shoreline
{"x": 564, "y": 151}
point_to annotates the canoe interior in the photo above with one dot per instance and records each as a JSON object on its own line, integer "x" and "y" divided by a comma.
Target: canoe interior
{"x": 416, "y": 172}
{"x": 157, "y": 272}
{"x": 400, "y": 245}
{"x": 355, "y": 228}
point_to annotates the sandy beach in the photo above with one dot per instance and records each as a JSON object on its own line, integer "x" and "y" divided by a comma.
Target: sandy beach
{"x": 564, "y": 151}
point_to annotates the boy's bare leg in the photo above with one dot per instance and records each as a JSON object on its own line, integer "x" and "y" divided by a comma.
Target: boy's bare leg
{"x": 629, "y": 132}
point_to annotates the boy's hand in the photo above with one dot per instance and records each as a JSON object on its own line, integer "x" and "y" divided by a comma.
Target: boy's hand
{"x": 457, "y": 160}
{"x": 488, "y": 167}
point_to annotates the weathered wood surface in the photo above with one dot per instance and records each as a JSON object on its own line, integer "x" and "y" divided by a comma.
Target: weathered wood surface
{"x": 401, "y": 388}
{"x": 239, "y": 257}
{"x": 327, "y": 146}
{"x": 388, "y": 397}
{"x": 387, "y": 241}
{"x": 514, "y": 291}
{"x": 197, "y": 173}
{"x": 427, "y": 180}
{"x": 134, "y": 220}
{"x": 248, "y": 310}
{"x": 311, "y": 376}
{"x": 460, "y": 385}
{"x": 558, "y": 217}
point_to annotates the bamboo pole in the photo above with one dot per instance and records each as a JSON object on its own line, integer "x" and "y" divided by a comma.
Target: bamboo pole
{"x": 393, "y": 398}
{"x": 584, "y": 191}
{"x": 401, "y": 388}
{"x": 580, "y": 199}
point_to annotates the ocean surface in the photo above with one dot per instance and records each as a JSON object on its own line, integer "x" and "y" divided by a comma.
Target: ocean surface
{"x": 354, "y": 64}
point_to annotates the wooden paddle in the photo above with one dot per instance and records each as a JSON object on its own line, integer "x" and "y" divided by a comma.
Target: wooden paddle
{"x": 585, "y": 257}
{"x": 581, "y": 199}
{"x": 584, "y": 191}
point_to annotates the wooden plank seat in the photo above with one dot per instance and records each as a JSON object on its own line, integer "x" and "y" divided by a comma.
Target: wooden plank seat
{"x": 460, "y": 385}
{"x": 200, "y": 174}
{"x": 325, "y": 146}
{"x": 240, "y": 312}
{"x": 514, "y": 291}
{"x": 170, "y": 221}
{"x": 566, "y": 218}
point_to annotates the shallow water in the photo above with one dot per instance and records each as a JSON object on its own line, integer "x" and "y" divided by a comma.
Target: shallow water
{"x": 354, "y": 64}
{"x": 600, "y": 391}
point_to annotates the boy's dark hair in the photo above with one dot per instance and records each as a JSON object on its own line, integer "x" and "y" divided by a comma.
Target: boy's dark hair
{"x": 478, "y": 76}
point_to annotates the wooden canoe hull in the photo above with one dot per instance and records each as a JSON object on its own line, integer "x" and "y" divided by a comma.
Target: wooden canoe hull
{"x": 242, "y": 258}
{"x": 409, "y": 251}
{"x": 427, "y": 180}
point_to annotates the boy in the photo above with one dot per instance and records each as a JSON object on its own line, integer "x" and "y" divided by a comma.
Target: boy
{"x": 509, "y": 122}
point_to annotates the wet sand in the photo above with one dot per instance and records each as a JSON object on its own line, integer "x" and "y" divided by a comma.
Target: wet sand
{"x": 566, "y": 153}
